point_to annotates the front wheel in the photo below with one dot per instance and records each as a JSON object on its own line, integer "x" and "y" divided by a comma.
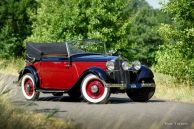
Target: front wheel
{"x": 142, "y": 94}
{"x": 28, "y": 87}
{"x": 93, "y": 90}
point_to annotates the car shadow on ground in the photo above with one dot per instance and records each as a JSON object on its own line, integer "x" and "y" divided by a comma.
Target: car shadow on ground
{"x": 30, "y": 104}
{"x": 115, "y": 100}
{"x": 49, "y": 111}
{"x": 24, "y": 103}
{"x": 60, "y": 99}
{"x": 112, "y": 100}
{"x": 156, "y": 101}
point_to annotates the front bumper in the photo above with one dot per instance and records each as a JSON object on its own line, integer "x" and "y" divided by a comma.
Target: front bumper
{"x": 131, "y": 85}
{"x": 140, "y": 85}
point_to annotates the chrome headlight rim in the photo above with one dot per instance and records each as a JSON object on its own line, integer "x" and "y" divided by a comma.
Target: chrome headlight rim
{"x": 136, "y": 65}
{"x": 125, "y": 65}
{"x": 110, "y": 65}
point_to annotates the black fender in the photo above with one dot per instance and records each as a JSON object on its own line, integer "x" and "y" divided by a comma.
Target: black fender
{"x": 92, "y": 70}
{"x": 98, "y": 72}
{"x": 145, "y": 73}
{"x": 32, "y": 70}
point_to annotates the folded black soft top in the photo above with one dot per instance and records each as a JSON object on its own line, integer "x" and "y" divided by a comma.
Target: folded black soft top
{"x": 38, "y": 50}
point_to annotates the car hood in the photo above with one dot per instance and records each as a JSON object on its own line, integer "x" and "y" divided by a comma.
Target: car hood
{"x": 93, "y": 58}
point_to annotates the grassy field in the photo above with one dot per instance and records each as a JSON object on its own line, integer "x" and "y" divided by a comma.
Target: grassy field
{"x": 15, "y": 118}
{"x": 167, "y": 88}
{"x": 11, "y": 66}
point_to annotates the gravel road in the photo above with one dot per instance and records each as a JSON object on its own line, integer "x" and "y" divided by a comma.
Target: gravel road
{"x": 119, "y": 113}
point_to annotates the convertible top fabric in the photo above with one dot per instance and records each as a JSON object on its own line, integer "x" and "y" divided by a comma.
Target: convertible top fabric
{"x": 38, "y": 50}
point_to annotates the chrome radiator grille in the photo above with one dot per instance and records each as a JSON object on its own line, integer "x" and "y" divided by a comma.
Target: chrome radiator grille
{"x": 119, "y": 75}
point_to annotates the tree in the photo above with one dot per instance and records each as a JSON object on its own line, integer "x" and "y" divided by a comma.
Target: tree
{"x": 61, "y": 20}
{"x": 176, "y": 56}
{"x": 15, "y": 26}
{"x": 143, "y": 39}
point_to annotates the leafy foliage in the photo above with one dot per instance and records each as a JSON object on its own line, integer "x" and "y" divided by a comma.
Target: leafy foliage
{"x": 62, "y": 20}
{"x": 176, "y": 56}
{"x": 15, "y": 26}
{"x": 143, "y": 40}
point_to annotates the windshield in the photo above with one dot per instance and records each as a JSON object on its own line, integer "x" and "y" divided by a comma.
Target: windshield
{"x": 86, "y": 47}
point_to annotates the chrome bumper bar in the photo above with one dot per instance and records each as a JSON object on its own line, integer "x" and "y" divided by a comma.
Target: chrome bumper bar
{"x": 131, "y": 86}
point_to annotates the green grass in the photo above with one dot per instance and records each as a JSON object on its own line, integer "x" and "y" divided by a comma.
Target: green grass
{"x": 11, "y": 66}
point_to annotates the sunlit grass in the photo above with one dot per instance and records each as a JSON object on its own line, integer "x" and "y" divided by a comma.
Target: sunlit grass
{"x": 15, "y": 118}
{"x": 11, "y": 66}
{"x": 167, "y": 88}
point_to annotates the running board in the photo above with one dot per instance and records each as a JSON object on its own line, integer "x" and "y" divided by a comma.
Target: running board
{"x": 51, "y": 91}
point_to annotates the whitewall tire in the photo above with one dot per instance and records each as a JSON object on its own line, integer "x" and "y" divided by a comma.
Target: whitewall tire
{"x": 94, "y": 90}
{"x": 28, "y": 87}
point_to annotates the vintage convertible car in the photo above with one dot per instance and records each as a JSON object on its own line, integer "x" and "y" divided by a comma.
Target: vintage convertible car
{"x": 59, "y": 68}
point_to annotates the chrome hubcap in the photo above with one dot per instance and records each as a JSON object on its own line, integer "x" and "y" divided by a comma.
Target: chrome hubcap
{"x": 94, "y": 89}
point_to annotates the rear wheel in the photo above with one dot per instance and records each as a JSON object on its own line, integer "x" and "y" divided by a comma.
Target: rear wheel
{"x": 94, "y": 90}
{"x": 142, "y": 94}
{"x": 28, "y": 87}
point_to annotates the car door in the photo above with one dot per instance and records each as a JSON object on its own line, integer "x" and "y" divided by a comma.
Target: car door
{"x": 57, "y": 74}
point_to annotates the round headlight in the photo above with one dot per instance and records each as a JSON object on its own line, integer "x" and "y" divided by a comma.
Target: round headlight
{"x": 110, "y": 65}
{"x": 125, "y": 65}
{"x": 136, "y": 65}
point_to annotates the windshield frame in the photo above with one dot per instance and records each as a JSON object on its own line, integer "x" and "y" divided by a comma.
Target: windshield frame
{"x": 69, "y": 44}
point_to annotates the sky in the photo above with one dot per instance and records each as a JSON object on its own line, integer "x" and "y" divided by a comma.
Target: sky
{"x": 155, "y": 3}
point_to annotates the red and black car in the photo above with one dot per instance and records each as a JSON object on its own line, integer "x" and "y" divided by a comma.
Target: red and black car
{"x": 59, "y": 68}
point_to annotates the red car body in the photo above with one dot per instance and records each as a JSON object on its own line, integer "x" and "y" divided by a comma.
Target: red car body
{"x": 61, "y": 76}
